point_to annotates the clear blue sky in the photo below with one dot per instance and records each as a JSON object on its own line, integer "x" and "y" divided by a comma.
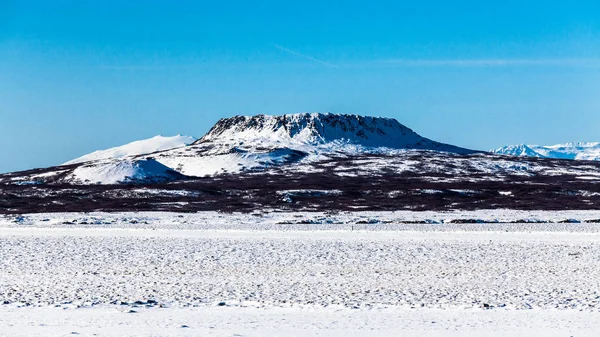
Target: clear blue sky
{"x": 76, "y": 76}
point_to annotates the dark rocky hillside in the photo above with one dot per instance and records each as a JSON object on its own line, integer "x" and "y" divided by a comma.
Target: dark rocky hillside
{"x": 435, "y": 181}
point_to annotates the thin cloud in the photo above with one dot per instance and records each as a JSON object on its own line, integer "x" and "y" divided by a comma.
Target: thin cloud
{"x": 148, "y": 67}
{"x": 407, "y": 63}
{"x": 472, "y": 63}
{"x": 310, "y": 58}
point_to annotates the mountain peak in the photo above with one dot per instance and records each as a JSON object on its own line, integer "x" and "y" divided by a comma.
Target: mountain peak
{"x": 521, "y": 150}
{"x": 321, "y": 128}
{"x": 574, "y": 150}
{"x": 311, "y": 128}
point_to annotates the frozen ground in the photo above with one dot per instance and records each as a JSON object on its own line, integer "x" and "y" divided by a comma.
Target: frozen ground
{"x": 227, "y": 321}
{"x": 300, "y": 274}
{"x": 478, "y": 221}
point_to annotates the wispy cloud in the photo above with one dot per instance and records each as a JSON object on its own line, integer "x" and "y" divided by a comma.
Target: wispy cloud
{"x": 399, "y": 63}
{"x": 148, "y": 67}
{"x": 471, "y": 63}
{"x": 310, "y": 58}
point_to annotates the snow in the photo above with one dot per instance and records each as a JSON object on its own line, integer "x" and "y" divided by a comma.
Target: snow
{"x": 317, "y": 128}
{"x": 211, "y": 165}
{"x": 349, "y": 273}
{"x": 577, "y": 151}
{"x": 145, "y": 146}
{"x": 113, "y": 172}
{"x": 248, "y": 321}
{"x": 47, "y": 174}
{"x": 245, "y": 143}
{"x": 241, "y": 144}
{"x": 351, "y": 145}
{"x": 498, "y": 220}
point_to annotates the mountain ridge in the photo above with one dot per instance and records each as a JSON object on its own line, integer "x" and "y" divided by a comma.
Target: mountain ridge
{"x": 572, "y": 151}
{"x": 138, "y": 147}
{"x": 316, "y": 129}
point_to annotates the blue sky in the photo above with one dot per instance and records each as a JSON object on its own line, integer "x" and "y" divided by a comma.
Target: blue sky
{"x": 76, "y": 76}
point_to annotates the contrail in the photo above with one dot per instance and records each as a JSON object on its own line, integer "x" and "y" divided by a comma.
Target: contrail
{"x": 293, "y": 52}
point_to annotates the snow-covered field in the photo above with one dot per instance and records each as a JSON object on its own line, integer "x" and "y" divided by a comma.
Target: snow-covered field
{"x": 478, "y": 221}
{"x": 237, "y": 321}
{"x": 300, "y": 274}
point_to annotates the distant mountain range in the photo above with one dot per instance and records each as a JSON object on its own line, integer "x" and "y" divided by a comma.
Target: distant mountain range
{"x": 308, "y": 161}
{"x": 575, "y": 151}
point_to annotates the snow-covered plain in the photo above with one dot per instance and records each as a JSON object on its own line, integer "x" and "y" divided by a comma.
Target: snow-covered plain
{"x": 334, "y": 322}
{"x": 494, "y": 220}
{"x": 360, "y": 273}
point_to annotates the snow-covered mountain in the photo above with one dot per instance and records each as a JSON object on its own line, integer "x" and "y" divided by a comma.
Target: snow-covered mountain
{"x": 317, "y": 129}
{"x": 576, "y": 151}
{"x": 342, "y": 145}
{"x": 154, "y": 144}
{"x": 311, "y": 162}
{"x": 244, "y": 143}
{"x": 124, "y": 171}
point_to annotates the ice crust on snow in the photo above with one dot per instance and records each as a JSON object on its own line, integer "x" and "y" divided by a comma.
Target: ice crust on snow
{"x": 150, "y": 145}
{"x": 492, "y": 220}
{"x": 185, "y": 260}
{"x": 301, "y": 273}
{"x": 333, "y": 321}
{"x": 433, "y": 270}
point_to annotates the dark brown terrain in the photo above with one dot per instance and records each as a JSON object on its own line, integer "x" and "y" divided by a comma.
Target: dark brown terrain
{"x": 434, "y": 181}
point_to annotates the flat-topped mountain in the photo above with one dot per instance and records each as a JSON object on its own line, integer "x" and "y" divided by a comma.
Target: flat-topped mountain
{"x": 314, "y": 129}
{"x": 304, "y": 162}
{"x": 250, "y": 143}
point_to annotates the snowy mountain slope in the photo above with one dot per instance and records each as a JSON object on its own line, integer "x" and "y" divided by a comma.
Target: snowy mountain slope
{"x": 123, "y": 171}
{"x": 520, "y": 150}
{"x": 575, "y": 151}
{"x": 247, "y": 143}
{"x": 310, "y": 162}
{"x": 327, "y": 146}
{"x": 154, "y": 144}
{"x": 316, "y": 129}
